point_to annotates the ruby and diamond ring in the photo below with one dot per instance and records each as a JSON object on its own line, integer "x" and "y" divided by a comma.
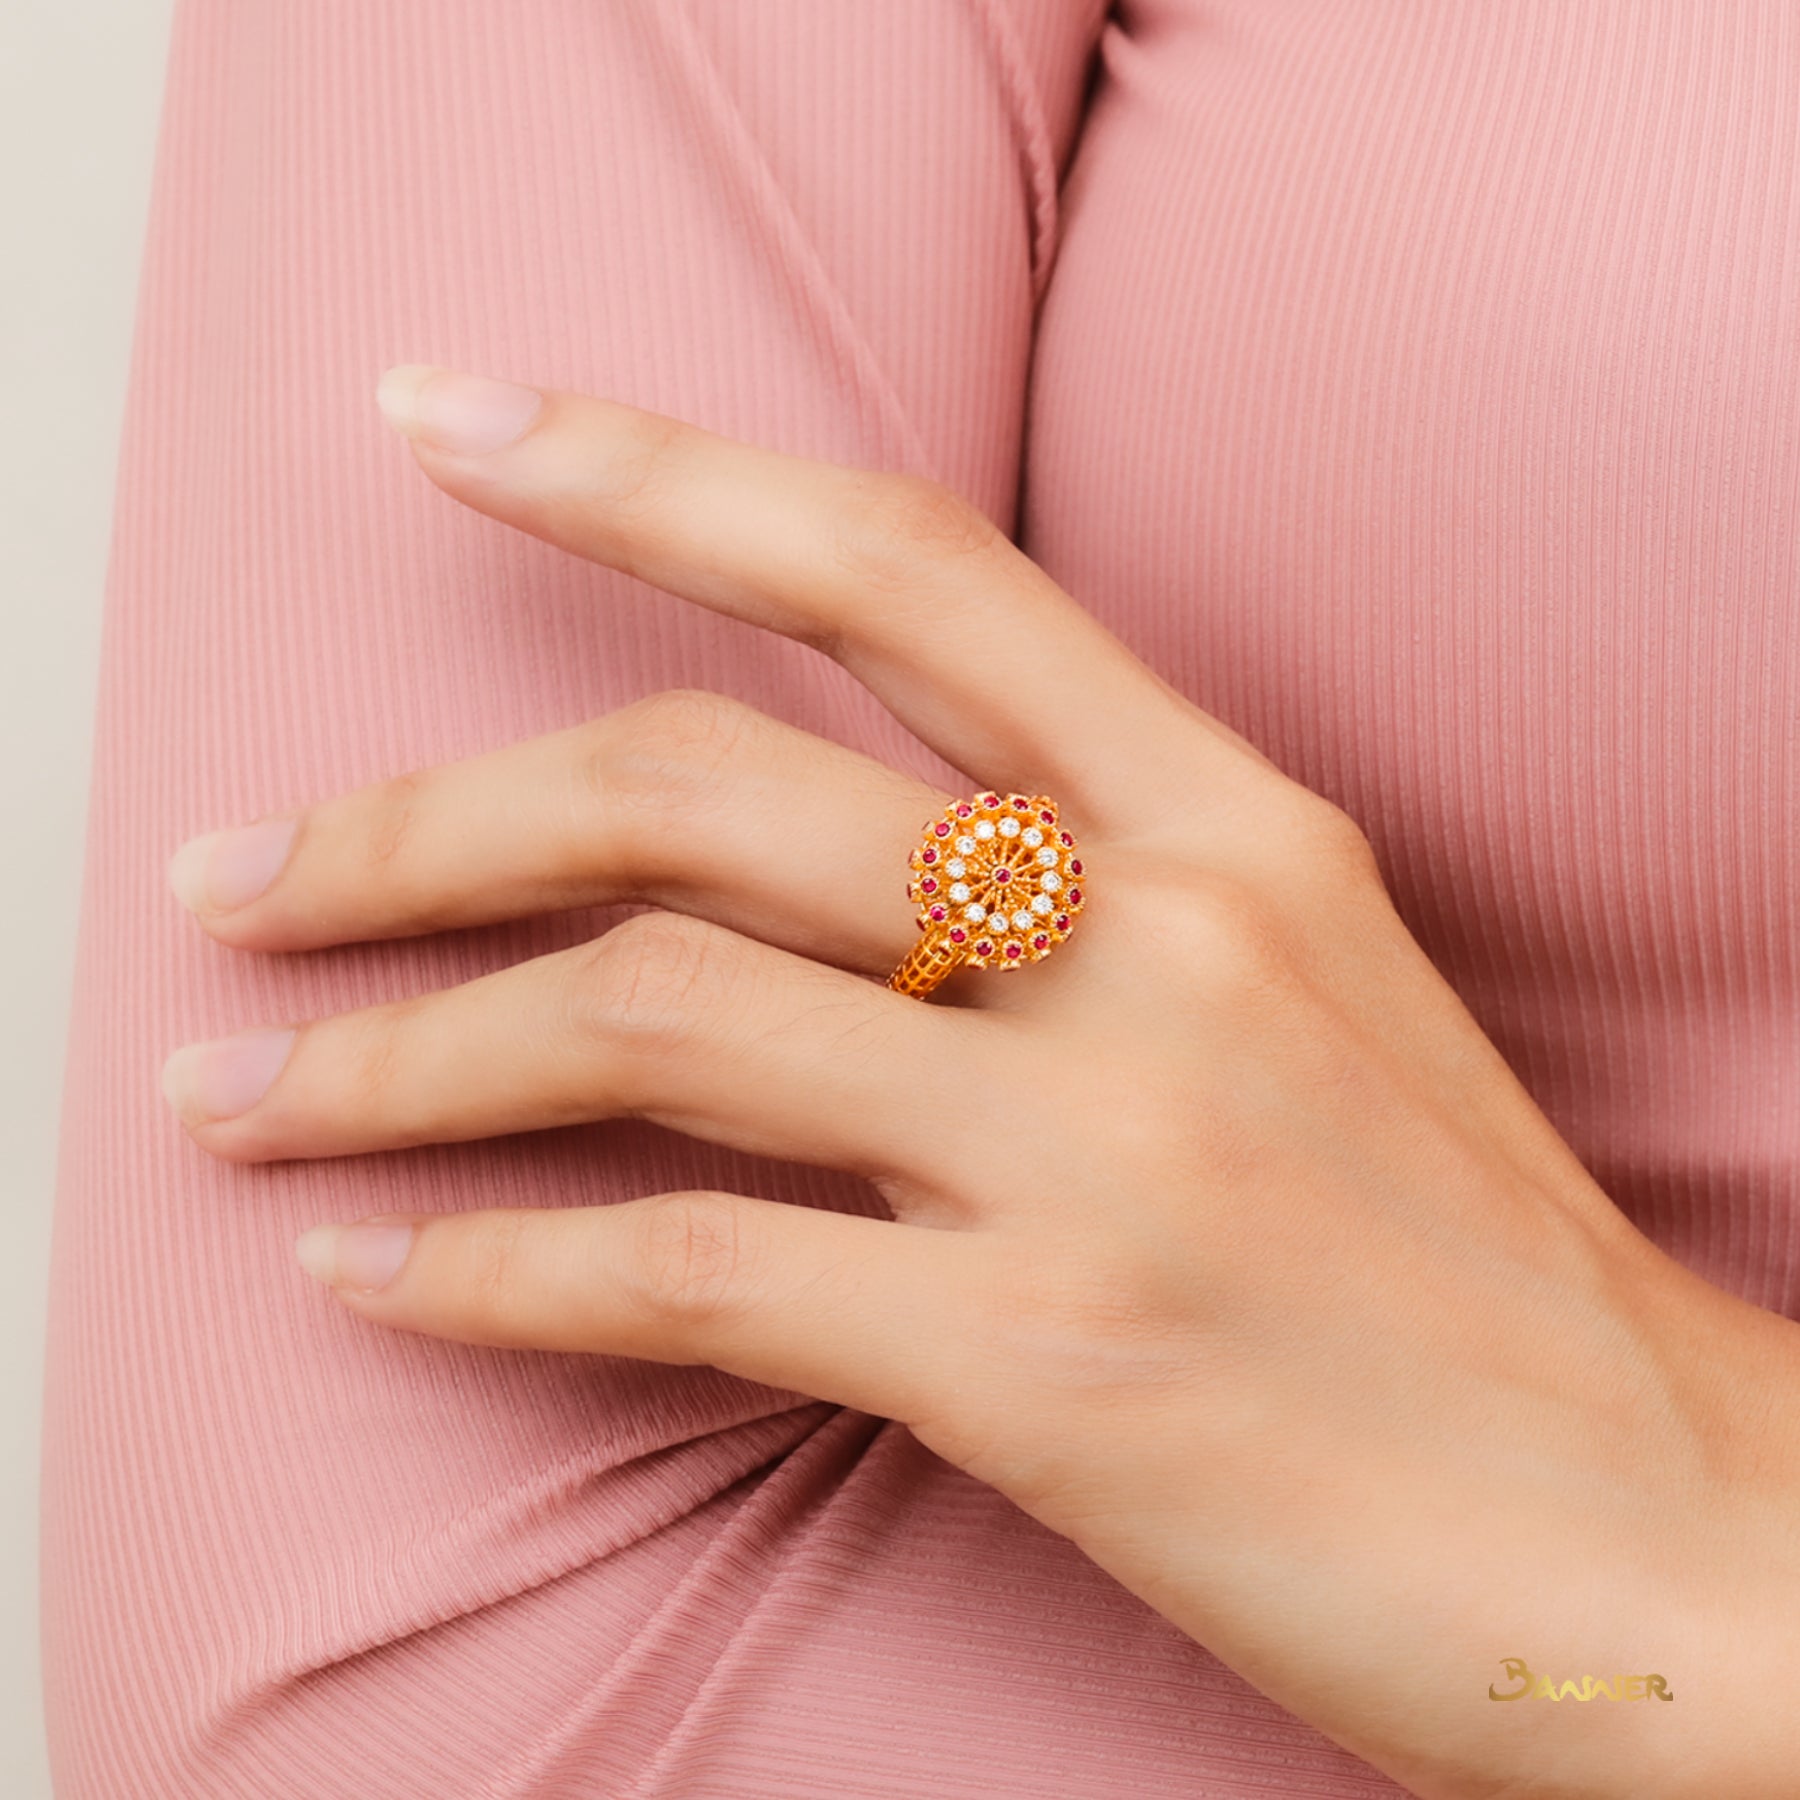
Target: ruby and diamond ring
{"x": 997, "y": 882}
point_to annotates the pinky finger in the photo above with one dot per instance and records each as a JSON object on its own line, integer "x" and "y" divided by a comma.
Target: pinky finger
{"x": 832, "y": 1305}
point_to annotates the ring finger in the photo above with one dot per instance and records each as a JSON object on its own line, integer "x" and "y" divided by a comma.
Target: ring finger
{"x": 664, "y": 1017}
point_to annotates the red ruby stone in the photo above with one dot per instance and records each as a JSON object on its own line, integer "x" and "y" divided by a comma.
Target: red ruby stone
{"x": 963, "y": 809}
{"x": 1074, "y": 896}
{"x": 958, "y": 935}
{"x": 1003, "y": 873}
{"x": 1014, "y": 950}
{"x": 929, "y": 884}
{"x": 937, "y": 912}
{"x": 1065, "y": 837}
{"x": 984, "y": 947}
{"x": 942, "y": 828}
{"x": 1021, "y": 803}
{"x": 1039, "y": 941}
{"x": 1047, "y": 816}
{"x": 928, "y": 854}
{"x": 1074, "y": 865}
{"x": 1062, "y": 921}
{"x": 990, "y": 799}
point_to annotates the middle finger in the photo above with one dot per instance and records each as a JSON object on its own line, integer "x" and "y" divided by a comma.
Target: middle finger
{"x": 687, "y": 799}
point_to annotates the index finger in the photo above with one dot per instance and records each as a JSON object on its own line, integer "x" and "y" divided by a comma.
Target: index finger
{"x": 912, "y": 588}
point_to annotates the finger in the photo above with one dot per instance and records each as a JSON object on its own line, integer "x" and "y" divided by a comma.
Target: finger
{"x": 664, "y": 1017}
{"x": 832, "y": 1305}
{"x": 910, "y": 587}
{"x": 689, "y": 800}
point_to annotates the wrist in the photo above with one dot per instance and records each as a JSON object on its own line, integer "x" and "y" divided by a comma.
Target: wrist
{"x": 1614, "y": 1495}
{"x": 1651, "y": 1530}
{"x": 1723, "y": 1531}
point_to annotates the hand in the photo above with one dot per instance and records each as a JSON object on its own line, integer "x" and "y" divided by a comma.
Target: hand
{"x": 1224, "y": 1242}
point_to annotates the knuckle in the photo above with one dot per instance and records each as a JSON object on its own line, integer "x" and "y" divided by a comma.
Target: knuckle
{"x": 1339, "y": 844}
{"x": 1319, "y": 847}
{"x": 377, "y": 1059}
{"x": 692, "y": 1260}
{"x": 1226, "y": 933}
{"x": 642, "y": 983}
{"x": 901, "y": 525}
{"x": 491, "y": 1248}
{"x": 393, "y": 820}
{"x": 670, "y": 750}
{"x": 393, "y": 862}
{"x": 640, "y": 460}
{"x": 652, "y": 771}
{"x": 1103, "y": 1322}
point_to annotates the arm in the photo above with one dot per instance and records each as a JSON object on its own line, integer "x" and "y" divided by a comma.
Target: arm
{"x": 279, "y": 1560}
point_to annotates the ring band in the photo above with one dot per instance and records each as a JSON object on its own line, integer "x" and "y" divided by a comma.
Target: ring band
{"x": 998, "y": 883}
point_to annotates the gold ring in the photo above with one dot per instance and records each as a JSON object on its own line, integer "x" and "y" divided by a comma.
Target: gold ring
{"x": 997, "y": 881}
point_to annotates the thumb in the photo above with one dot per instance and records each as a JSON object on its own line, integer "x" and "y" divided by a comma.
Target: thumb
{"x": 832, "y": 1305}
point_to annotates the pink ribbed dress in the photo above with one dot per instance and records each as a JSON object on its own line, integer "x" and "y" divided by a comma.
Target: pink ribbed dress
{"x": 1415, "y": 385}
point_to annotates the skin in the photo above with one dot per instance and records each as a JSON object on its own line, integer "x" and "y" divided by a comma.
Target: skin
{"x": 1256, "y": 1273}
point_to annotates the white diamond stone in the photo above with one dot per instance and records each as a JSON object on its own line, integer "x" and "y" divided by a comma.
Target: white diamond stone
{"x": 956, "y": 868}
{"x": 965, "y": 846}
{"x": 1009, "y": 827}
{"x": 959, "y": 891}
{"x": 1046, "y": 858}
{"x": 976, "y": 911}
{"x": 984, "y": 828}
{"x": 1050, "y": 883}
{"x": 1022, "y": 920}
{"x": 1032, "y": 836}
{"x": 1041, "y": 903}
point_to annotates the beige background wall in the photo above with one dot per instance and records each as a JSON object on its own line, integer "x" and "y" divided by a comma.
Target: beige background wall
{"x": 80, "y": 88}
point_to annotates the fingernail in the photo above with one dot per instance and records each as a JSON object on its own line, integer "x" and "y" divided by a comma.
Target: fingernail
{"x": 224, "y": 1076}
{"x": 466, "y": 414}
{"x": 364, "y": 1257}
{"x": 223, "y": 869}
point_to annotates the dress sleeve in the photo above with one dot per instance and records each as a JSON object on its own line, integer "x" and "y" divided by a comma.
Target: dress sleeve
{"x": 285, "y": 1552}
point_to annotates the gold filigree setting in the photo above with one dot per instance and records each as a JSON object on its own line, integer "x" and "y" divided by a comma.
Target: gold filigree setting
{"x": 998, "y": 882}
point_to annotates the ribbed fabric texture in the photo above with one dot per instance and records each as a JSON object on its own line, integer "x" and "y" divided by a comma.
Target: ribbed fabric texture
{"x": 1414, "y": 385}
